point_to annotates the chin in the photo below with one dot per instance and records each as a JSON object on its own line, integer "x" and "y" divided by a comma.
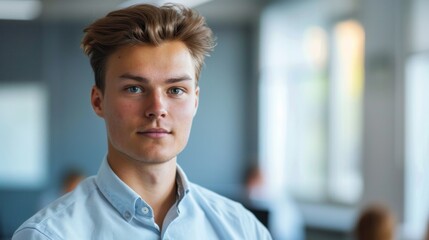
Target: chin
{"x": 145, "y": 158}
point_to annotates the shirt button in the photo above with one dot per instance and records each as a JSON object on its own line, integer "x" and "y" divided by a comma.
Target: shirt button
{"x": 127, "y": 215}
{"x": 145, "y": 210}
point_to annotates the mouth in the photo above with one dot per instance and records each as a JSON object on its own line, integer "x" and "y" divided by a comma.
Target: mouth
{"x": 155, "y": 132}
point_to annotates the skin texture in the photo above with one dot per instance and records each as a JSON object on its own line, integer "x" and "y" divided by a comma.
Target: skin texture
{"x": 148, "y": 105}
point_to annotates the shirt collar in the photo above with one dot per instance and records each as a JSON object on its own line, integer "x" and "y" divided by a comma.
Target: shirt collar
{"x": 124, "y": 199}
{"x": 119, "y": 194}
{"x": 182, "y": 183}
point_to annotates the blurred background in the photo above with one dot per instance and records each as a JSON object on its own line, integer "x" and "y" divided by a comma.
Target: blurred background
{"x": 328, "y": 98}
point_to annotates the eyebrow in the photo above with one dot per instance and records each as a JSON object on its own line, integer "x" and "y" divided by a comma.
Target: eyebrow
{"x": 145, "y": 80}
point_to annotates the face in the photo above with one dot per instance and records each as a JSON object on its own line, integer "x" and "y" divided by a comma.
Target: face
{"x": 149, "y": 101}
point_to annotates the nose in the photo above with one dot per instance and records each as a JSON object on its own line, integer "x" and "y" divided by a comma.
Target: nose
{"x": 156, "y": 107}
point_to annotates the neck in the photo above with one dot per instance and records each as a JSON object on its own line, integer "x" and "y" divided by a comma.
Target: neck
{"x": 154, "y": 182}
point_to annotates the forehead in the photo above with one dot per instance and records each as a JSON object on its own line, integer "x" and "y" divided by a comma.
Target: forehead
{"x": 169, "y": 58}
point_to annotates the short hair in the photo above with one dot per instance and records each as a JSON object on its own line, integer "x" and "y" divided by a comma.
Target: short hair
{"x": 148, "y": 25}
{"x": 376, "y": 222}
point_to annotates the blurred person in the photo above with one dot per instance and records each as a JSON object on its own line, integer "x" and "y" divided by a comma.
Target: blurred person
{"x": 70, "y": 179}
{"x": 146, "y": 61}
{"x": 376, "y": 222}
{"x": 284, "y": 221}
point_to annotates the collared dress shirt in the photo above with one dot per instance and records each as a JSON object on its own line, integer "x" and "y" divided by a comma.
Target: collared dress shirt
{"x": 104, "y": 207}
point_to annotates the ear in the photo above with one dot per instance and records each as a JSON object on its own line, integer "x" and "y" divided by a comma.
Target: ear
{"x": 97, "y": 100}
{"x": 197, "y": 98}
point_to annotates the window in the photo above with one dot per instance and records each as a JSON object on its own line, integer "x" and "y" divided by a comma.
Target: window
{"x": 417, "y": 142}
{"x": 311, "y": 92}
{"x": 23, "y": 135}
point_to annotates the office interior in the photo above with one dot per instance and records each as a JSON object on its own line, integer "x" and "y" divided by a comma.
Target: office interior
{"x": 327, "y": 97}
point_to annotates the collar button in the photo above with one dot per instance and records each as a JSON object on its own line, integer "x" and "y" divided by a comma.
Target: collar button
{"x": 145, "y": 210}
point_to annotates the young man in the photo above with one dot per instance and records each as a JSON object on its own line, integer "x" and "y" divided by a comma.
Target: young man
{"x": 146, "y": 62}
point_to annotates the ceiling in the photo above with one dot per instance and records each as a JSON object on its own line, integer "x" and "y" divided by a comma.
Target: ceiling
{"x": 218, "y": 11}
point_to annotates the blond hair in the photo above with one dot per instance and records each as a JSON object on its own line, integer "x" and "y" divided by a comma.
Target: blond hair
{"x": 150, "y": 25}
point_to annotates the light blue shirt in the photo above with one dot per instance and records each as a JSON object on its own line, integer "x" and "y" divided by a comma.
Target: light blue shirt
{"x": 104, "y": 207}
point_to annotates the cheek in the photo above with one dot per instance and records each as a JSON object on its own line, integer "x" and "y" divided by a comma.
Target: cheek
{"x": 186, "y": 116}
{"x": 120, "y": 112}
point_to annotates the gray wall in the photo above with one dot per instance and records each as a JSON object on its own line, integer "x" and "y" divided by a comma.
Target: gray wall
{"x": 222, "y": 139}
{"x": 383, "y": 141}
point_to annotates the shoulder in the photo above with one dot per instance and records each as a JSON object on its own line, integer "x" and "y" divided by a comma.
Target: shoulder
{"x": 57, "y": 216}
{"x": 212, "y": 198}
{"x": 227, "y": 211}
{"x": 216, "y": 202}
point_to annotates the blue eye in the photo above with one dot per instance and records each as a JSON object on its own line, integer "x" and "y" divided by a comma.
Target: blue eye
{"x": 134, "y": 89}
{"x": 176, "y": 91}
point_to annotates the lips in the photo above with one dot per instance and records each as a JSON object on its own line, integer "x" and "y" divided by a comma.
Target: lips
{"x": 155, "y": 132}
